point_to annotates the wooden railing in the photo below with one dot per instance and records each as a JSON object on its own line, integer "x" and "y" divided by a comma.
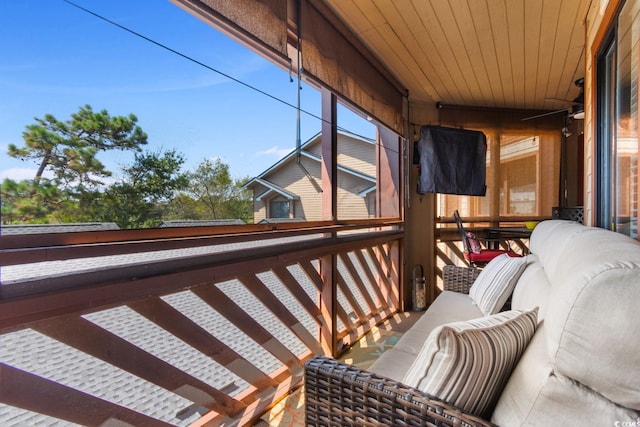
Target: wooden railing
{"x": 183, "y": 326}
{"x": 449, "y": 247}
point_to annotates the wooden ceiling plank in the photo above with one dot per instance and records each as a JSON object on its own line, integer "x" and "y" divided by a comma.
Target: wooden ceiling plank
{"x": 406, "y": 68}
{"x": 398, "y": 33}
{"x": 563, "y": 31}
{"x": 455, "y": 25}
{"x": 428, "y": 12}
{"x": 502, "y": 35}
{"x": 515, "y": 21}
{"x": 503, "y": 53}
{"x": 574, "y": 62}
{"x": 532, "y": 46}
{"x": 426, "y": 55}
{"x": 476, "y": 33}
{"x": 486, "y": 50}
{"x": 548, "y": 32}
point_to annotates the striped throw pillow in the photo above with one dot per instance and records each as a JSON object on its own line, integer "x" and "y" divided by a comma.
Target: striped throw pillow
{"x": 467, "y": 364}
{"x": 495, "y": 283}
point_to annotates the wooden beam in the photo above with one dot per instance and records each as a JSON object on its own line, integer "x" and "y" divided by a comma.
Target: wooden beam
{"x": 34, "y": 393}
{"x": 329, "y": 149}
{"x": 228, "y": 308}
{"x": 91, "y": 339}
{"x": 176, "y": 323}
{"x": 282, "y": 313}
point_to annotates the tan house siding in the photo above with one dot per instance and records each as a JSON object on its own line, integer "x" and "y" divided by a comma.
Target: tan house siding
{"x": 350, "y": 204}
{"x": 259, "y": 208}
{"x": 358, "y": 155}
{"x": 294, "y": 179}
{"x": 303, "y": 183}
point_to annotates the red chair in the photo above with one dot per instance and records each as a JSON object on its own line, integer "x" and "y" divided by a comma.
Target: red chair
{"x": 474, "y": 253}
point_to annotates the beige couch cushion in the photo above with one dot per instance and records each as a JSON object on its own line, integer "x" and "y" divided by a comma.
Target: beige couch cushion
{"x": 468, "y": 363}
{"x": 525, "y": 384}
{"x": 582, "y": 367}
{"x": 533, "y": 288}
{"x": 594, "y": 317}
{"x": 446, "y": 308}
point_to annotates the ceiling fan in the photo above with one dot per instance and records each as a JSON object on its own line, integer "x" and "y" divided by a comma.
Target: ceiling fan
{"x": 576, "y": 111}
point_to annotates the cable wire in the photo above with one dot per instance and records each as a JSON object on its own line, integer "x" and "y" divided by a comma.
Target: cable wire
{"x": 210, "y": 68}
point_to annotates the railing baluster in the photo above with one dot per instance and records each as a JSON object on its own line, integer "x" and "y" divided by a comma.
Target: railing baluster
{"x": 379, "y": 287}
{"x": 91, "y": 339}
{"x": 258, "y": 288}
{"x": 170, "y": 319}
{"x": 294, "y": 287}
{"x": 34, "y": 393}
{"x": 224, "y": 305}
{"x": 359, "y": 283}
{"x": 82, "y": 312}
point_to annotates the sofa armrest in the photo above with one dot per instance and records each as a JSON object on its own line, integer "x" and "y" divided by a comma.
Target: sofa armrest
{"x": 337, "y": 394}
{"x": 458, "y": 279}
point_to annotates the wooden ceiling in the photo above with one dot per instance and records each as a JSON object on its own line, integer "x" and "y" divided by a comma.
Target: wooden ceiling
{"x": 489, "y": 53}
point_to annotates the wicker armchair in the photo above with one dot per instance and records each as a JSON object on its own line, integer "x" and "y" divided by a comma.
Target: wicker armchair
{"x": 337, "y": 394}
{"x": 458, "y": 279}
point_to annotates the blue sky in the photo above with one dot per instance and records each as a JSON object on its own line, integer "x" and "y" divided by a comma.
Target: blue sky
{"x": 56, "y": 58}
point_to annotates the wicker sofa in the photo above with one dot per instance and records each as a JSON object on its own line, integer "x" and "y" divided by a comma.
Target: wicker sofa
{"x": 581, "y": 366}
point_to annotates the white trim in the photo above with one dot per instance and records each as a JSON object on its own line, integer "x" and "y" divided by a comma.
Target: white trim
{"x": 273, "y": 188}
{"x": 342, "y": 168}
{"x": 366, "y": 191}
{"x": 302, "y": 152}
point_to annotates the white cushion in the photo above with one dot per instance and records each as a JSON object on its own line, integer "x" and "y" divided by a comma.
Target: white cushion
{"x": 495, "y": 283}
{"x": 466, "y": 364}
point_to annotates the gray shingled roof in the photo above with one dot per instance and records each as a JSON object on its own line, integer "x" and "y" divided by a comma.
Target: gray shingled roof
{"x": 34, "y": 352}
{"x": 13, "y": 229}
{"x": 201, "y": 223}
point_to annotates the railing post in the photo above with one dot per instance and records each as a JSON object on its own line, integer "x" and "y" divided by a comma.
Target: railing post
{"x": 328, "y": 264}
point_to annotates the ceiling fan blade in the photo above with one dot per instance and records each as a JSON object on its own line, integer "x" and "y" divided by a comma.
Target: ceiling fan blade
{"x": 545, "y": 114}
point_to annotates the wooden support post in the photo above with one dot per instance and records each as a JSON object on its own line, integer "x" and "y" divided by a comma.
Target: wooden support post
{"x": 328, "y": 264}
{"x": 389, "y": 199}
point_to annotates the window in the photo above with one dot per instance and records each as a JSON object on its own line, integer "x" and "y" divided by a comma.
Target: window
{"x": 617, "y": 153}
{"x": 522, "y": 179}
{"x": 279, "y": 209}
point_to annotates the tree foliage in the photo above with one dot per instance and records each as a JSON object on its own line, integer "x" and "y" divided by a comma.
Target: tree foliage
{"x": 211, "y": 185}
{"x": 27, "y": 202}
{"x": 69, "y": 149}
{"x": 153, "y": 187}
{"x": 152, "y": 180}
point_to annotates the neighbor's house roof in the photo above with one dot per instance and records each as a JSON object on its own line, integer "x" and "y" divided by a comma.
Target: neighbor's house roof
{"x": 201, "y": 223}
{"x": 366, "y": 191}
{"x": 13, "y": 229}
{"x": 262, "y": 179}
{"x": 273, "y": 188}
{"x": 279, "y": 220}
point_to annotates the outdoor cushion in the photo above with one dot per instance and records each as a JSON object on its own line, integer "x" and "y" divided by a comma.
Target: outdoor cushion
{"x": 487, "y": 255}
{"x": 467, "y": 364}
{"x": 448, "y": 307}
{"x": 495, "y": 283}
{"x": 474, "y": 243}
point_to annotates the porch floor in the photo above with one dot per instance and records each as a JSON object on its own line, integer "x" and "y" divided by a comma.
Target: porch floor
{"x": 290, "y": 411}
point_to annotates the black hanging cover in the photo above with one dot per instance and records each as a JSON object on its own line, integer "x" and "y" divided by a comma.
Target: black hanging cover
{"x": 452, "y": 161}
